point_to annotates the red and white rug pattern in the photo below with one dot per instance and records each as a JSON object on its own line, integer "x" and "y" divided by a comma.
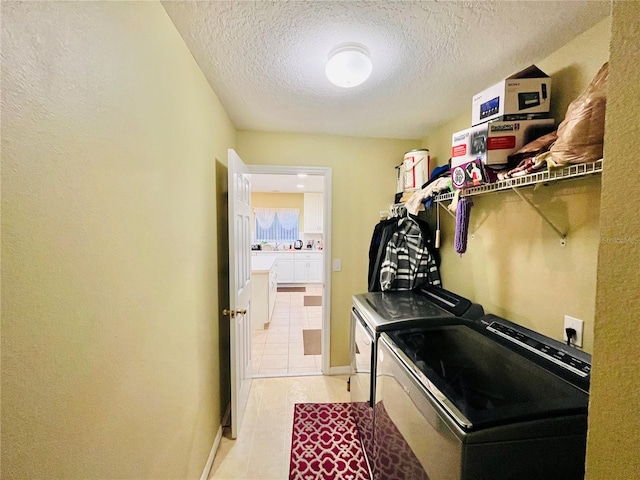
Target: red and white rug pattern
{"x": 325, "y": 443}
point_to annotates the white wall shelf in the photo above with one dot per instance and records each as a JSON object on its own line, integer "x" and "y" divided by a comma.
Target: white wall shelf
{"x": 545, "y": 176}
{"x": 542, "y": 177}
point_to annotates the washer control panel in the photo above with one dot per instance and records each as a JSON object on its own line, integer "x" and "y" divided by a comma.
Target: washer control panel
{"x": 549, "y": 352}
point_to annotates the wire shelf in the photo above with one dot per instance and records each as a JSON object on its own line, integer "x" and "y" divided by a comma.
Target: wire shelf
{"x": 546, "y": 176}
{"x": 572, "y": 171}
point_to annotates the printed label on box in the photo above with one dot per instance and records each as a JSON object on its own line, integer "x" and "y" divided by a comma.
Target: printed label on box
{"x": 500, "y": 143}
{"x": 459, "y": 151}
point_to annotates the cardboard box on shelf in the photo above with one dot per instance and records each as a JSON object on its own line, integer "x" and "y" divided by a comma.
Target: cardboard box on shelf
{"x": 520, "y": 116}
{"x": 525, "y": 92}
{"x": 491, "y": 143}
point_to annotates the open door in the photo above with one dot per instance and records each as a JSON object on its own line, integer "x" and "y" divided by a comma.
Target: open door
{"x": 239, "y": 287}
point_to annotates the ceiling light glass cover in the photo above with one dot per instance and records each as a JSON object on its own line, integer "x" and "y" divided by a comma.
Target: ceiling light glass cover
{"x": 349, "y": 65}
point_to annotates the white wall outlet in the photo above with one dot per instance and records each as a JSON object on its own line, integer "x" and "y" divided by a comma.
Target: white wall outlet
{"x": 577, "y": 325}
{"x": 337, "y": 264}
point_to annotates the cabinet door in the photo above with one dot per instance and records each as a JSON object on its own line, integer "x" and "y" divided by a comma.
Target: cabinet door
{"x": 308, "y": 268}
{"x": 284, "y": 267}
{"x": 313, "y": 212}
{"x": 314, "y": 272}
{"x": 285, "y": 270}
{"x": 300, "y": 270}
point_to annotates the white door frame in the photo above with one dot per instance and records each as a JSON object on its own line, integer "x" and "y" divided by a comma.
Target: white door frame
{"x": 325, "y": 172}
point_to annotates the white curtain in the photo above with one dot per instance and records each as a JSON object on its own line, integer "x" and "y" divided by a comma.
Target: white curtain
{"x": 288, "y": 217}
{"x": 265, "y": 217}
{"x": 276, "y": 224}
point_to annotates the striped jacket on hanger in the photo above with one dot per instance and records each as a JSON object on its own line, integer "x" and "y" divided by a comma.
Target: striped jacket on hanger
{"x": 408, "y": 263}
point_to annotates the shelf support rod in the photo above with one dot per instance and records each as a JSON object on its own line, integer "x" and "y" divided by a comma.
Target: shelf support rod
{"x": 563, "y": 236}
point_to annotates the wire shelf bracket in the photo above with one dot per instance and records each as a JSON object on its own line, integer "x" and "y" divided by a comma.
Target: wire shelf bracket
{"x": 439, "y": 204}
{"x": 563, "y": 236}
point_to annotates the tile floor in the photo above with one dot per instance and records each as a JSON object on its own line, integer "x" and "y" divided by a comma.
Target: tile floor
{"x": 279, "y": 349}
{"x": 262, "y": 449}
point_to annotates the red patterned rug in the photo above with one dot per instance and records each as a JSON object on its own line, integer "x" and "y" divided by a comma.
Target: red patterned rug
{"x": 325, "y": 443}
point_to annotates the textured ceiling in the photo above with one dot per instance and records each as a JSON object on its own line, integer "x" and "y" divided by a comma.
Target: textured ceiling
{"x": 265, "y": 60}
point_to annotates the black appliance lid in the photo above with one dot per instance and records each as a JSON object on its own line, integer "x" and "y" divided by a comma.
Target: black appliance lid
{"x": 487, "y": 382}
{"x": 453, "y": 303}
{"x": 384, "y": 311}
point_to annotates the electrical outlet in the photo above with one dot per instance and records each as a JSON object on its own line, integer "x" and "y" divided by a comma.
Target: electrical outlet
{"x": 577, "y": 325}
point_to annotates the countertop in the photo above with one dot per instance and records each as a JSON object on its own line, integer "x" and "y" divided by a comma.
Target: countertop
{"x": 304, "y": 250}
{"x": 260, "y": 264}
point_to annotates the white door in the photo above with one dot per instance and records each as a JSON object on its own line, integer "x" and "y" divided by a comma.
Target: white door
{"x": 239, "y": 287}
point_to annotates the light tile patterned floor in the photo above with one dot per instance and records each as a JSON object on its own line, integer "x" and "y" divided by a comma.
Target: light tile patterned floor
{"x": 262, "y": 449}
{"x": 279, "y": 349}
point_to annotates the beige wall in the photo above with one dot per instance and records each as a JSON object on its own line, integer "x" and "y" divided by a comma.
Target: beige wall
{"x": 110, "y": 136}
{"x": 363, "y": 173}
{"x": 278, "y": 200}
{"x": 110, "y": 364}
{"x": 614, "y": 437}
{"x": 515, "y": 265}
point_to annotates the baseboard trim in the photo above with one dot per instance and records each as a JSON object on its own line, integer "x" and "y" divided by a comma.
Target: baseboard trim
{"x": 342, "y": 370}
{"x": 212, "y": 455}
{"x": 216, "y": 444}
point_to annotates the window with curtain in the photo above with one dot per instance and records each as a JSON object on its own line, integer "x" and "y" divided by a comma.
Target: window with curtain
{"x": 276, "y": 224}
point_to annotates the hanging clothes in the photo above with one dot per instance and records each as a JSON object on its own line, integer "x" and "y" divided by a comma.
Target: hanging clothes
{"x": 401, "y": 255}
{"x": 408, "y": 263}
{"x": 382, "y": 233}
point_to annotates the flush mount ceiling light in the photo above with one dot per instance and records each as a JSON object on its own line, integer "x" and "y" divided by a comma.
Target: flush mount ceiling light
{"x": 349, "y": 65}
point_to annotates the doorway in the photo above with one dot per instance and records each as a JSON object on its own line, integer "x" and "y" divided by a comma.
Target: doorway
{"x": 296, "y": 339}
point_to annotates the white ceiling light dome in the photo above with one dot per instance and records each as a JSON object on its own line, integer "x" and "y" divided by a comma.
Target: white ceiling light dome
{"x": 349, "y": 65}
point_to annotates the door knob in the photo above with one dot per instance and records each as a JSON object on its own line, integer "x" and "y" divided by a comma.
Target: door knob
{"x": 233, "y": 313}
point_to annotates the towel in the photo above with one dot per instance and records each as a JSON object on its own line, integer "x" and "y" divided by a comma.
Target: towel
{"x": 462, "y": 224}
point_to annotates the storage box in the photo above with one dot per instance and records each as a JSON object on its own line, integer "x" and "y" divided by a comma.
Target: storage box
{"x": 525, "y": 92}
{"x": 471, "y": 174}
{"x": 492, "y": 143}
